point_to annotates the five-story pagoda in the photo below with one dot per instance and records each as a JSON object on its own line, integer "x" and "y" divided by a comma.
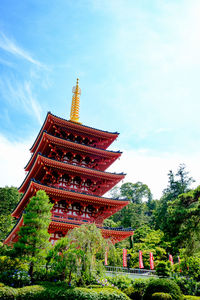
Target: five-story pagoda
{"x": 68, "y": 162}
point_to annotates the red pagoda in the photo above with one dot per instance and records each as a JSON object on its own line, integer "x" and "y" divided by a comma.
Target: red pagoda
{"x": 68, "y": 162}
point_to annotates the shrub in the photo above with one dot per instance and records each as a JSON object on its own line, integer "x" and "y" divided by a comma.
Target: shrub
{"x": 187, "y": 286}
{"x": 122, "y": 282}
{"x": 164, "y": 286}
{"x": 161, "y": 296}
{"x": 163, "y": 269}
{"x": 190, "y": 298}
{"x": 8, "y": 293}
{"x": 15, "y": 278}
{"x": 136, "y": 290}
{"x": 41, "y": 293}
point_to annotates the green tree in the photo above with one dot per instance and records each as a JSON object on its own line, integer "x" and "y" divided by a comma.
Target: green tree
{"x": 137, "y": 212}
{"x": 177, "y": 184}
{"x": 33, "y": 235}
{"x": 88, "y": 238}
{"x": 65, "y": 258}
{"x": 184, "y": 221}
{"x": 136, "y": 192}
{"x": 9, "y": 197}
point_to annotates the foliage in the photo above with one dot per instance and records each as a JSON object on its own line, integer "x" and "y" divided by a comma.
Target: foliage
{"x": 138, "y": 212}
{"x": 9, "y": 197}
{"x": 15, "y": 278}
{"x": 164, "y": 286}
{"x": 42, "y": 292}
{"x": 88, "y": 239}
{"x": 188, "y": 286}
{"x": 33, "y": 236}
{"x": 163, "y": 269}
{"x": 177, "y": 184}
{"x": 65, "y": 258}
{"x": 188, "y": 297}
{"x": 13, "y": 271}
{"x": 136, "y": 290}
{"x": 184, "y": 219}
{"x": 122, "y": 282}
{"x": 161, "y": 296}
{"x": 79, "y": 254}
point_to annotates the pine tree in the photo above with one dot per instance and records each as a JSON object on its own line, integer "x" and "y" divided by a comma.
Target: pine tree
{"x": 33, "y": 235}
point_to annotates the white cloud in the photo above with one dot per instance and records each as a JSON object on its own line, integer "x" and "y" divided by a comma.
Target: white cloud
{"x": 152, "y": 169}
{"x": 20, "y": 95}
{"x": 13, "y": 158}
{"x": 10, "y": 46}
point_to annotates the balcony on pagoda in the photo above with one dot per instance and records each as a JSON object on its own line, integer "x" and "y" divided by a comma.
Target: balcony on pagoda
{"x": 72, "y": 153}
{"x": 75, "y": 132}
{"x": 57, "y": 174}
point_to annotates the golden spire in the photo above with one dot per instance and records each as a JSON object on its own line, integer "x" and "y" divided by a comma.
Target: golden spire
{"x": 74, "y": 115}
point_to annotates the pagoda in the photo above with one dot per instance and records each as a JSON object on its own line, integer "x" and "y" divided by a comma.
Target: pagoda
{"x": 68, "y": 162}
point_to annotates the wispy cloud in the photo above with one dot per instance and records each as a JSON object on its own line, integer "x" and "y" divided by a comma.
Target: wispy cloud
{"x": 20, "y": 96}
{"x": 11, "y": 46}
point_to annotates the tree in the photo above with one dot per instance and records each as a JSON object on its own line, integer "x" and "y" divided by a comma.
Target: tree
{"x": 33, "y": 235}
{"x": 65, "y": 258}
{"x": 177, "y": 184}
{"x": 136, "y": 192}
{"x": 88, "y": 238}
{"x": 184, "y": 221}
{"x": 136, "y": 213}
{"x": 9, "y": 197}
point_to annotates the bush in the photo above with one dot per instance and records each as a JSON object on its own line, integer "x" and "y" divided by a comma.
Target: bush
{"x": 187, "y": 286}
{"x": 8, "y": 293}
{"x": 136, "y": 290}
{"x": 163, "y": 269}
{"x": 122, "y": 282}
{"x": 15, "y": 278}
{"x": 43, "y": 292}
{"x": 161, "y": 296}
{"x": 163, "y": 286}
{"x": 190, "y": 298}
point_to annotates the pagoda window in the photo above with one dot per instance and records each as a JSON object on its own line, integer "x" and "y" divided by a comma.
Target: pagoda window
{"x": 64, "y": 135}
{"x": 77, "y": 180}
{"x": 68, "y": 156}
{"x": 87, "y": 159}
{"x": 78, "y": 158}
{"x": 88, "y": 182}
{"x": 86, "y": 141}
{"x": 60, "y": 153}
{"x": 66, "y": 178}
{"x": 71, "y": 137}
{"x": 78, "y": 139}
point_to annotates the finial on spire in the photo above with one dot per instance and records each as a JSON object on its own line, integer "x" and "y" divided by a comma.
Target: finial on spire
{"x": 74, "y": 115}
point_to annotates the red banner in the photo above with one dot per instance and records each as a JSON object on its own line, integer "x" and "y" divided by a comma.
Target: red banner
{"x": 151, "y": 261}
{"x": 179, "y": 261}
{"x": 141, "y": 266}
{"x": 124, "y": 258}
{"x": 171, "y": 259}
{"x": 106, "y": 257}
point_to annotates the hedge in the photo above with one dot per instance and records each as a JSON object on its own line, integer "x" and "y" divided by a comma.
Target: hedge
{"x": 161, "y": 296}
{"x": 188, "y": 297}
{"x": 38, "y": 292}
{"x": 162, "y": 286}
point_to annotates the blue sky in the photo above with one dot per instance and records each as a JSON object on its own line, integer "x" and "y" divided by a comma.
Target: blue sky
{"x": 139, "y": 69}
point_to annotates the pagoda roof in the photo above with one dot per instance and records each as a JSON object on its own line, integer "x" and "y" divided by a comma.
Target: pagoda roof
{"x": 115, "y": 234}
{"x": 59, "y": 193}
{"x": 42, "y": 160}
{"x": 50, "y": 118}
{"x": 13, "y": 236}
{"x": 45, "y": 138}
